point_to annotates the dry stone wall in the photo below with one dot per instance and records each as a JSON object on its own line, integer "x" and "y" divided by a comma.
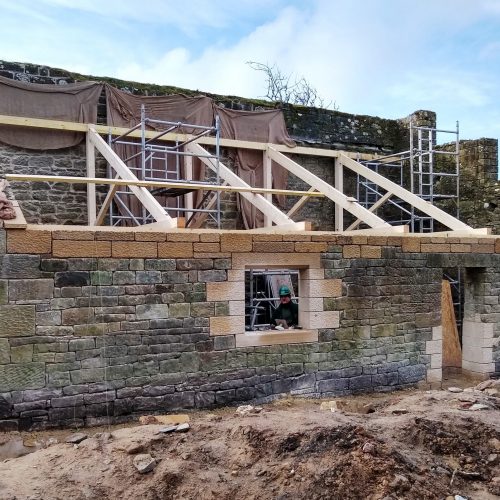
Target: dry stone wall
{"x": 113, "y": 323}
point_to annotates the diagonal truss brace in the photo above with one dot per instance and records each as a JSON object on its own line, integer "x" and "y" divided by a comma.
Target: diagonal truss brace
{"x": 143, "y": 195}
{"x": 405, "y": 195}
{"x": 329, "y": 191}
{"x": 259, "y": 201}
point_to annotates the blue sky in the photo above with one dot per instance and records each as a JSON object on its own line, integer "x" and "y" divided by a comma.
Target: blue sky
{"x": 376, "y": 57}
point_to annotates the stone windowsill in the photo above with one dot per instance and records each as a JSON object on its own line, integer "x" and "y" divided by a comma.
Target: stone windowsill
{"x": 273, "y": 337}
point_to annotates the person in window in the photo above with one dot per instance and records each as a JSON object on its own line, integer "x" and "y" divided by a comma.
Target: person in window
{"x": 287, "y": 310}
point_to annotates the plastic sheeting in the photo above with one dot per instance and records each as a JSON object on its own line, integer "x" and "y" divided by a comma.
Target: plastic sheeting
{"x": 124, "y": 110}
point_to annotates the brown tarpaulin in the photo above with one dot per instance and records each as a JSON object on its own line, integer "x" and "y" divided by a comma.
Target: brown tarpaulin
{"x": 74, "y": 102}
{"x": 124, "y": 110}
{"x": 259, "y": 126}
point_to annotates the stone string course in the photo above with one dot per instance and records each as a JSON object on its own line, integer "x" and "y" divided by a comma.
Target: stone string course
{"x": 113, "y": 323}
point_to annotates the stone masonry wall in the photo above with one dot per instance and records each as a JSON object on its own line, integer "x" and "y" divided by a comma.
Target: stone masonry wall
{"x": 308, "y": 126}
{"x": 113, "y": 323}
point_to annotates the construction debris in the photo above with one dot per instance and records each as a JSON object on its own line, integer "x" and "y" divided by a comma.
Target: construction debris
{"x": 144, "y": 463}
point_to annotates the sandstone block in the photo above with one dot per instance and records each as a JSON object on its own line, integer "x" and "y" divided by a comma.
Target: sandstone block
{"x": 150, "y": 236}
{"x": 91, "y": 330}
{"x": 321, "y": 288}
{"x": 210, "y": 237}
{"x": 435, "y": 247}
{"x": 21, "y": 354}
{"x": 225, "y": 290}
{"x": 274, "y": 246}
{"x": 135, "y": 249}
{"x": 29, "y": 241}
{"x": 371, "y": 252}
{"x": 77, "y": 316}
{"x": 17, "y": 321}
{"x": 4, "y": 351}
{"x": 287, "y": 260}
{"x": 20, "y": 266}
{"x": 411, "y": 244}
{"x": 70, "y": 248}
{"x": 227, "y": 325}
{"x": 22, "y": 377}
{"x": 31, "y": 289}
{"x": 236, "y": 308}
{"x": 351, "y": 251}
{"x": 183, "y": 235}
{"x": 175, "y": 250}
{"x": 4, "y": 296}
{"x": 319, "y": 319}
{"x": 152, "y": 311}
{"x": 206, "y": 247}
{"x": 179, "y": 310}
{"x": 303, "y": 246}
{"x": 236, "y": 242}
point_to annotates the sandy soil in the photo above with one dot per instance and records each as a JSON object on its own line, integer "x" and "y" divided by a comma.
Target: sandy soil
{"x": 411, "y": 445}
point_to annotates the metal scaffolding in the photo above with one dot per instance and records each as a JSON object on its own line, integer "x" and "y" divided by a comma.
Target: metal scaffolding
{"x": 150, "y": 160}
{"x": 431, "y": 172}
{"x": 427, "y": 175}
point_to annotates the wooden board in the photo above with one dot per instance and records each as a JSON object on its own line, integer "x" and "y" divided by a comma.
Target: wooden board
{"x": 452, "y": 352}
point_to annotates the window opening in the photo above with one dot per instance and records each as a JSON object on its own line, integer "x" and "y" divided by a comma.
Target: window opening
{"x": 262, "y": 295}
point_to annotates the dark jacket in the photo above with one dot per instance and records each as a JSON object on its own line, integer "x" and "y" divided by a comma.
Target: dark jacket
{"x": 289, "y": 312}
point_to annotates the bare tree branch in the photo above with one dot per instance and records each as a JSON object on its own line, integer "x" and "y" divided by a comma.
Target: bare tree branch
{"x": 282, "y": 88}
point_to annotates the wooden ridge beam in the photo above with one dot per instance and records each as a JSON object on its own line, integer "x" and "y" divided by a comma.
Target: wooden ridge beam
{"x": 20, "y": 121}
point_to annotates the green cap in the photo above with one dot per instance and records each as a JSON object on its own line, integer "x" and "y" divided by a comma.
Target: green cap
{"x": 284, "y": 290}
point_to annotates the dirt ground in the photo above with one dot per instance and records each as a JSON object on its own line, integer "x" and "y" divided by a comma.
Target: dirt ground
{"x": 411, "y": 445}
